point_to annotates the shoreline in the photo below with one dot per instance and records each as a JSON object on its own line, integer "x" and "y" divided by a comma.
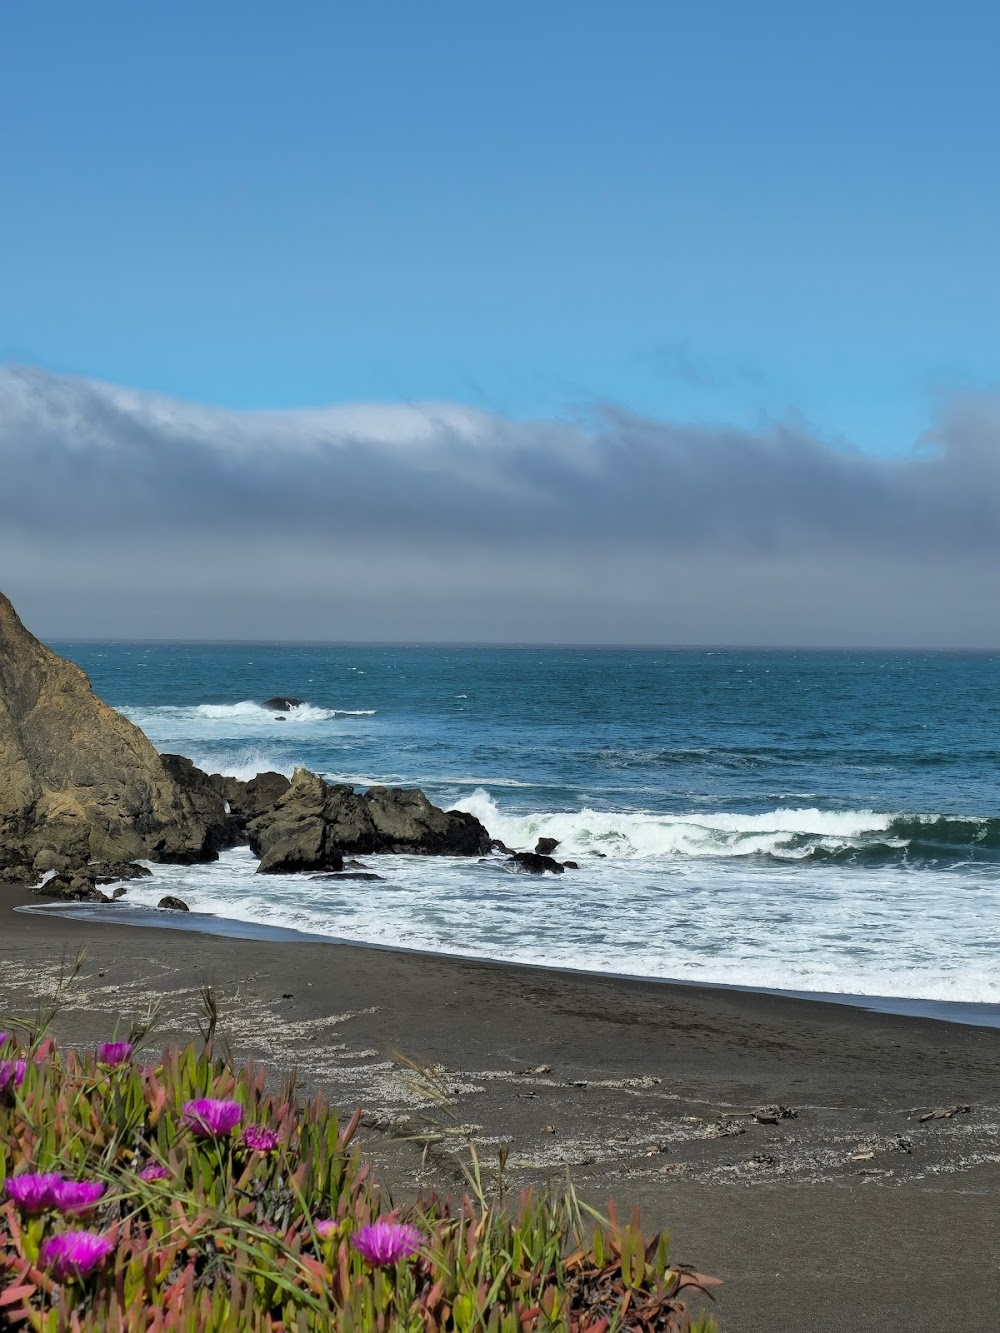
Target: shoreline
{"x": 644, "y": 1091}
{"x": 962, "y": 1012}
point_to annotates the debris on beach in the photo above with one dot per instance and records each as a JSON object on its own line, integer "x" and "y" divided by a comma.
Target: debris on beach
{"x": 945, "y": 1113}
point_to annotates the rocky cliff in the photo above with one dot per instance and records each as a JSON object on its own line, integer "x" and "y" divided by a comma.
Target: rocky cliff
{"x": 83, "y": 792}
{"x": 80, "y": 783}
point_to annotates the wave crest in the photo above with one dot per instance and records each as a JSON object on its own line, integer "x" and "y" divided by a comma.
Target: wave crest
{"x": 783, "y": 834}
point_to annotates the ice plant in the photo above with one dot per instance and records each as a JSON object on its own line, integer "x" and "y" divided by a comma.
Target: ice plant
{"x": 33, "y": 1193}
{"x": 325, "y": 1227}
{"x": 258, "y": 1138}
{"x": 77, "y": 1196}
{"x": 211, "y": 1117}
{"x": 154, "y": 1172}
{"x": 12, "y": 1071}
{"x": 74, "y": 1254}
{"x": 384, "y": 1243}
{"x": 114, "y": 1053}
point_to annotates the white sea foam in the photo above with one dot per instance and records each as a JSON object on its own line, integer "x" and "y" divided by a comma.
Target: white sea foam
{"x": 777, "y": 832}
{"x": 914, "y": 935}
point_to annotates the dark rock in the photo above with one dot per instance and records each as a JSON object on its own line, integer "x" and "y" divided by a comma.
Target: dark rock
{"x": 297, "y": 833}
{"x": 49, "y": 859}
{"x": 171, "y": 904}
{"x": 536, "y": 864}
{"x": 497, "y": 845}
{"x": 546, "y": 846}
{"x": 351, "y": 874}
{"x": 106, "y": 874}
{"x": 17, "y": 874}
{"x": 406, "y": 821}
{"x": 603, "y": 855}
{"x": 571, "y": 865}
{"x": 281, "y": 703}
{"x": 207, "y": 808}
{"x": 119, "y": 892}
{"x": 313, "y": 825}
{"x": 71, "y": 889}
{"x": 247, "y": 800}
{"x": 78, "y": 780}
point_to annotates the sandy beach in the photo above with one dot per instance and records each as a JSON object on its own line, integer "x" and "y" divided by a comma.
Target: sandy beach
{"x": 842, "y": 1209}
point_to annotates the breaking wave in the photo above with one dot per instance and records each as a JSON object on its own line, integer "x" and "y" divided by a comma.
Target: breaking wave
{"x": 786, "y": 835}
{"x": 243, "y": 715}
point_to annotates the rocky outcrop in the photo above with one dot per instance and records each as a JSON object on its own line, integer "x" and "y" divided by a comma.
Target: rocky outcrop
{"x": 79, "y": 782}
{"x": 247, "y": 800}
{"x": 79, "y": 888}
{"x": 282, "y": 703}
{"x": 84, "y": 794}
{"x": 546, "y": 846}
{"x": 297, "y": 834}
{"x": 314, "y": 825}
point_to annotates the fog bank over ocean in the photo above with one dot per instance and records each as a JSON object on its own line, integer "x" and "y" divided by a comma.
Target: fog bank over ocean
{"x": 125, "y": 514}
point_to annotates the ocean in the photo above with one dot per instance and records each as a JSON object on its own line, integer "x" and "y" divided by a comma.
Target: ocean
{"x": 825, "y": 823}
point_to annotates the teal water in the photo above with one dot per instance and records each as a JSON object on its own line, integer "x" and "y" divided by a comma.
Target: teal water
{"x": 819, "y": 822}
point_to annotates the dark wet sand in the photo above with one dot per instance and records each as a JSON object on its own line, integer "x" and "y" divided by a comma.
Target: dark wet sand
{"x": 850, "y": 1214}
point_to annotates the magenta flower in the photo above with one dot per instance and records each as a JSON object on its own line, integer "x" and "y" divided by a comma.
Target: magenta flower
{"x": 385, "y": 1243}
{"x": 33, "y": 1193}
{"x": 154, "y": 1172}
{"x": 325, "y": 1227}
{"x": 74, "y": 1254}
{"x": 3, "y": 1038}
{"x": 12, "y": 1071}
{"x": 258, "y": 1138}
{"x": 77, "y": 1196}
{"x": 114, "y": 1053}
{"x": 210, "y": 1117}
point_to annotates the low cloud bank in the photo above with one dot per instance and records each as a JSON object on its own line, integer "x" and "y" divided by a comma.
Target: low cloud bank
{"x": 123, "y": 513}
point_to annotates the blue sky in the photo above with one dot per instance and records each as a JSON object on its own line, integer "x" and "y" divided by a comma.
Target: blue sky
{"x": 703, "y": 212}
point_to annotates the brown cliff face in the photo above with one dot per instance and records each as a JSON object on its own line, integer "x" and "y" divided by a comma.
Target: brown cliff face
{"x": 79, "y": 779}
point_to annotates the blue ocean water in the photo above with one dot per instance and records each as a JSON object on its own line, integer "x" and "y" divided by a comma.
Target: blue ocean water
{"x": 820, "y": 822}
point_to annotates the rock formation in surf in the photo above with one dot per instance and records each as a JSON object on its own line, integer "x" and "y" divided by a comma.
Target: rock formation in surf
{"x": 83, "y": 793}
{"x": 313, "y": 825}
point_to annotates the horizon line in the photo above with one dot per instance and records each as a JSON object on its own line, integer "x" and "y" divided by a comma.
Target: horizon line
{"x": 524, "y": 645}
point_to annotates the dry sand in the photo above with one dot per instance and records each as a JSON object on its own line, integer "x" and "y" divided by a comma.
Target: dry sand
{"x": 850, "y": 1213}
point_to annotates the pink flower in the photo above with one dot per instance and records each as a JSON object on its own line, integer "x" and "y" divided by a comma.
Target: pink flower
{"x": 385, "y": 1243}
{"x": 12, "y": 1071}
{"x": 74, "y": 1254}
{"x": 3, "y": 1038}
{"x": 211, "y": 1117}
{"x": 325, "y": 1227}
{"x": 77, "y": 1196}
{"x": 258, "y": 1138}
{"x": 33, "y": 1193}
{"x": 154, "y": 1172}
{"x": 114, "y": 1053}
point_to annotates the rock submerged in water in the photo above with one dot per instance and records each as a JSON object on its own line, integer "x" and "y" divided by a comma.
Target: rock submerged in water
{"x": 282, "y": 703}
{"x": 536, "y": 864}
{"x": 171, "y": 904}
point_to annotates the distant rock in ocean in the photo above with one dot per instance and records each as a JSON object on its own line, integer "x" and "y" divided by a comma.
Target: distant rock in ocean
{"x": 282, "y": 703}
{"x": 84, "y": 794}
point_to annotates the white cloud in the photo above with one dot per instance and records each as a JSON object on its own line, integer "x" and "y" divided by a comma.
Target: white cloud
{"x": 128, "y": 513}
